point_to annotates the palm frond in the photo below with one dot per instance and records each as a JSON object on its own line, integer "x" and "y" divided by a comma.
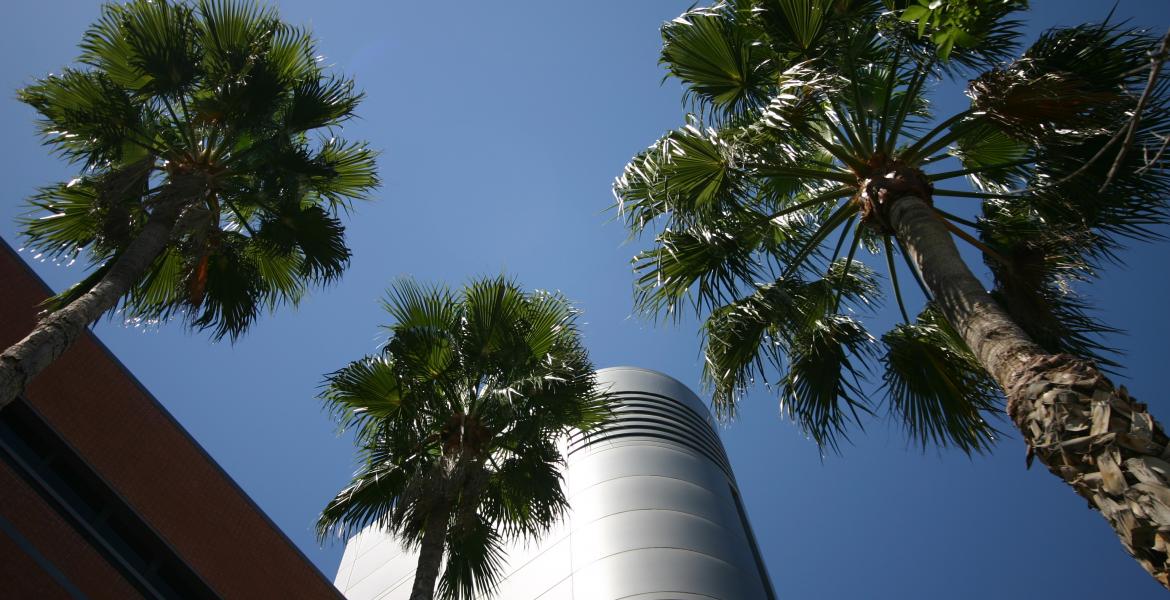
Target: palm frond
{"x": 366, "y": 389}
{"x": 722, "y": 66}
{"x": 161, "y": 40}
{"x": 494, "y": 323}
{"x": 232, "y": 35}
{"x": 475, "y": 562}
{"x": 993, "y": 160}
{"x": 1071, "y": 82}
{"x": 375, "y": 496}
{"x": 743, "y": 338}
{"x": 821, "y": 390}
{"x": 317, "y": 236}
{"x": 810, "y": 30}
{"x": 349, "y": 172}
{"x": 525, "y": 495}
{"x": 161, "y": 294}
{"x": 74, "y": 221}
{"x": 1046, "y": 262}
{"x": 225, "y": 291}
{"x": 687, "y": 174}
{"x": 936, "y": 388}
{"x": 1069, "y": 187}
{"x": 413, "y": 305}
{"x": 292, "y": 53}
{"x": 965, "y": 35}
{"x": 87, "y": 117}
{"x": 712, "y": 262}
{"x": 747, "y": 338}
{"x": 320, "y": 102}
{"x": 550, "y": 324}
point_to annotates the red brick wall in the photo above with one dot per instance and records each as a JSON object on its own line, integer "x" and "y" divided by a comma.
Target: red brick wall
{"x": 130, "y": 440}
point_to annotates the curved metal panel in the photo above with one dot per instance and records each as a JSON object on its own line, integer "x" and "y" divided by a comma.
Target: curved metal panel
{"x": 655, "y": 515}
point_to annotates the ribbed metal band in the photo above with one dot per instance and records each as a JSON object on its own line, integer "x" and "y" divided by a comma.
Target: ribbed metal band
{"x": 643, "y": 415}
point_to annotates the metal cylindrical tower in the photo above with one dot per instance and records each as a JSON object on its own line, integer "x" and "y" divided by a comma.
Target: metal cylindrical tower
{"x": 655, "y": 515}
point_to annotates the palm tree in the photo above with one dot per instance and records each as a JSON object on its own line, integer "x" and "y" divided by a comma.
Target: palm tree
{"x": 210, "y": 179}
{"x": 812, "y": 118}
{"x": 457, "y": 421}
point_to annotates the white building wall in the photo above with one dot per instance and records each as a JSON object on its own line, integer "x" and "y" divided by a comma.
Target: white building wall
{"x": 654, "y": 515}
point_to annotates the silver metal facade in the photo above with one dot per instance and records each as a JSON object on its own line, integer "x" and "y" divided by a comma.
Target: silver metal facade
{"x": 655, "y": 515}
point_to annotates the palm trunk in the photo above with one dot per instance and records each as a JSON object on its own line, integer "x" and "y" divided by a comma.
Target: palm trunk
{"x": 56, "y": 332}
{"x": 1090, "y": 434}
{"x": 430, "y": 555}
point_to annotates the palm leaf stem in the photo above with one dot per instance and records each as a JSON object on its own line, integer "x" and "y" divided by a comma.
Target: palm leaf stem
{"x": 848, "y": 263}
{"x": 825, "y": 197}
{"x": 180, "y": 125}
{"x": 861, "y": 120}
{"x": 913, "y": 151}
{"x": 980, "y": 195}
{"x": 839, "y": 133}
{"x": 841, "y": 239}
{"x": 186, "y": 110}
{"x": 844, "y": 123}
{"x": 839, "y": 176}
{"x": 891, "y": 83}
{"x": 914, "y": 270}
{"x": 839, "y": 216}
{"x": 894, "y": 278}
{"x": 217, "y": 146}
{"x": 970, "y": 239}
{"x": 240, "y": 217}
{"x": 912, "y": 90}
{"x": 935, "y": 158}
{"x": 961, "y": 129}
{"x": 956, "y": 218}
{"x": 842, "y": 155}
{"x": 975, "y": 170}
{"x": 140, "y": 139}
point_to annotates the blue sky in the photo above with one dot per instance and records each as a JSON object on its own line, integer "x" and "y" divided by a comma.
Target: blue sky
{"x": 501, "y": 127}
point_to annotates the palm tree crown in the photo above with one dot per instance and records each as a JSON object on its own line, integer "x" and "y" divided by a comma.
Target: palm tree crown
{"x": 457, "y": 421}
{"x": 810, "y": 119}
{"x": 813, "y": 119}
{"x": 222, "y": 116}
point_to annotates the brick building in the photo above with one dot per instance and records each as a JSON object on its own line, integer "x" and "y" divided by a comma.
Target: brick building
{"x": 104, "y": 495}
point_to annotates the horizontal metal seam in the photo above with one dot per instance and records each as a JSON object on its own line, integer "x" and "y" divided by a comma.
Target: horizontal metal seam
{"x": 672, "y": 510}
{"x": 538, "y": 555}
{"x": 696, "y": 594}
{"x": 714, "y": 558}
{"x": 687, "y": 481}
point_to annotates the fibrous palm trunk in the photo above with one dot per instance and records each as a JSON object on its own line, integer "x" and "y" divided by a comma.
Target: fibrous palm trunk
{"x": 1087, "y": 432}
{"x": 430, "y": 555}
{"x": 56, "y": 332}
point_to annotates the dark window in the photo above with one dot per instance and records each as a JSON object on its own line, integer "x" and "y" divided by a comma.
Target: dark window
{"x": 66, "y": 483}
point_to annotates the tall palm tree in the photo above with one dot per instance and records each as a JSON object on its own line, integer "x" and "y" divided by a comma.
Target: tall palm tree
{"x": 210, "y": 180}
{"x": 457, "y": 421}
{"x": 813, "y": 140}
